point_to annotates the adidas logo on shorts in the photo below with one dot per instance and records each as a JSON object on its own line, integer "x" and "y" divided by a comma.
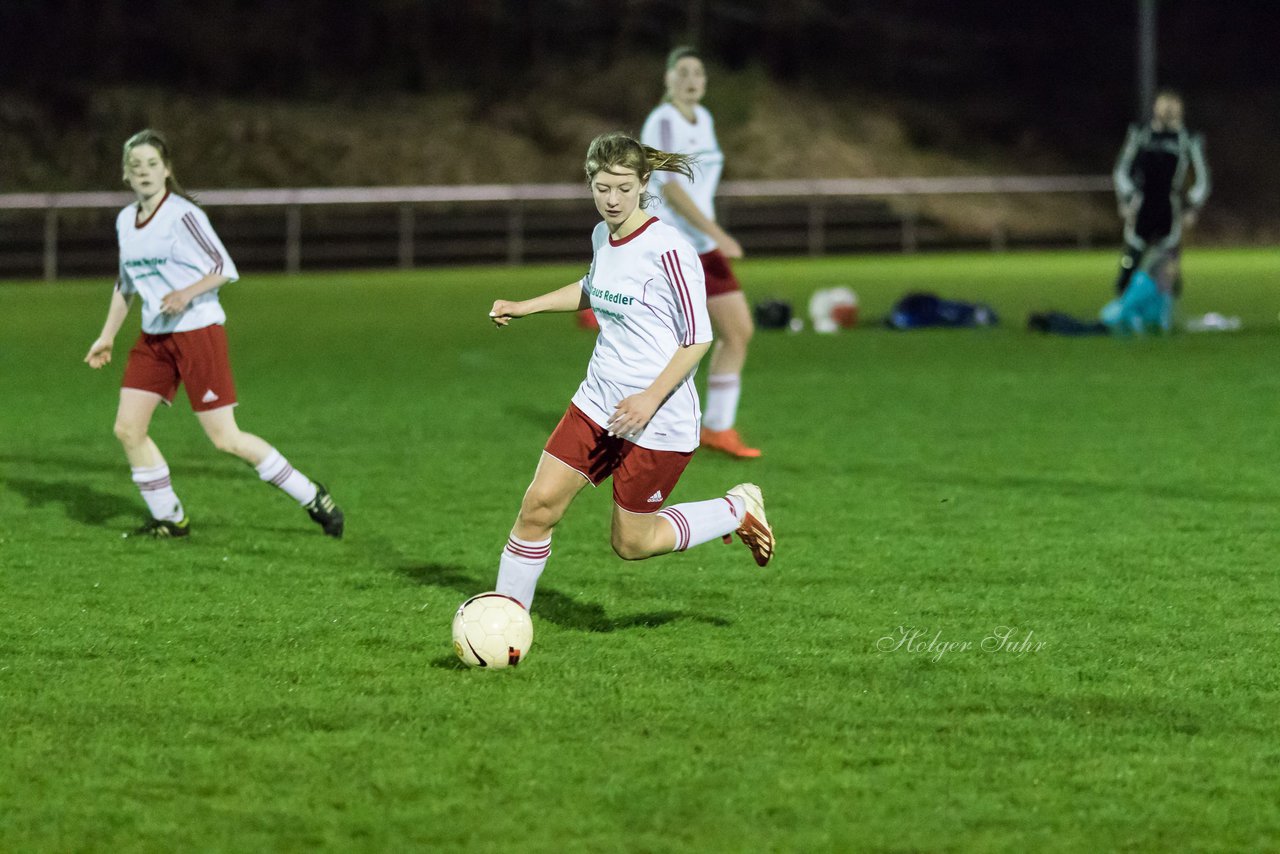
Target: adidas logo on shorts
{"x": 656, "y": 498}
{"x": 209, "y": 397}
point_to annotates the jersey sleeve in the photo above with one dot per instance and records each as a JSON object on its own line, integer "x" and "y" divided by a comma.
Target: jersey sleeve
{"x": 597, "y": 240}
{"x": 1122, "y": 174}
{"x": 1199, "y": 191}
{"x": 124, "y": 283}
{"x": 683, "y": 271}
{"x": 197, "y": 245}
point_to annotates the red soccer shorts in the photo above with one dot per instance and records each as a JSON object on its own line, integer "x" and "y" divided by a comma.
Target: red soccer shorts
{"x": 719, "y": 275}
{"x": 160, "y": 363}
{"x": 642, "y": 478}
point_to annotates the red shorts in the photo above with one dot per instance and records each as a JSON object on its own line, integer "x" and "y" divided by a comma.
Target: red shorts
{"x": 642, "y": 478}
{"x": 160, "y": 363}
{"x": 719, "y": 275}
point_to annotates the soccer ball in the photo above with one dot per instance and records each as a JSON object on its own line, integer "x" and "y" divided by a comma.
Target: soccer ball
{"x": 492, "y": 630}
{"x": 833, "y": 309}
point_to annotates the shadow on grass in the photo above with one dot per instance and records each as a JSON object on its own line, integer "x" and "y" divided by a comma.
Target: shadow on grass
{"x": 556, "y": 607}
{"x": 448, "y": 662}
{"x": 217, "y": 467}
{"x": 83, "y": 503}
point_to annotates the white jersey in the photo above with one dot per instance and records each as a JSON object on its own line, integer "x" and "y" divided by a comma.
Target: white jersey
{"x": 667, "y": 130}
{"x": 648, "y": 292}
{"x": 175, "y": 247}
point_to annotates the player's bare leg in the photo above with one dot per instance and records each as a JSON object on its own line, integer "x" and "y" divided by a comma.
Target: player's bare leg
{"x": 147, "y": 465}
{"x": 221, "y": 428}
{"x": 133, "y": 421}
{"x": 636, "y": 536}
{"x": 553, "y": 489}
{"x": 731, "y": 319}
{"x": 683, "y": 526}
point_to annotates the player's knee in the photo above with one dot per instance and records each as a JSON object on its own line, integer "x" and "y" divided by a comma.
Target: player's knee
{"x": 130, "y": 434}
{"x": 538, "y": 510}
{"x": 227, "y": 441}
{"x": 629, "y": 545}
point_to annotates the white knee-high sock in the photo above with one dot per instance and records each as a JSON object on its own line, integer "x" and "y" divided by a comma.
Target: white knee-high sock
{"x": 275, "y": 470}
{"x": 702, "y": 521}
{"x": 521, "y": 564}
{"x": 157, "y": 491}
{"x": 723, "y": 391}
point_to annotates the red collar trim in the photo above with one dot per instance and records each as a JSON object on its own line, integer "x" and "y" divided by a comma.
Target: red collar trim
{"x": 633, "y": 235}
{"x": 143, "y": 224}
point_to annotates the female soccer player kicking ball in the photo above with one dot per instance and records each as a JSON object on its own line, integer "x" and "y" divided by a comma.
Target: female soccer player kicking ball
{"x": 171, "y": 257}
{"x": 635, "y": 416}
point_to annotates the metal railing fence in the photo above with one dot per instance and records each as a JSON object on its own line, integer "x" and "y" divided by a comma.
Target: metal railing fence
{"x": 518, "y": 201}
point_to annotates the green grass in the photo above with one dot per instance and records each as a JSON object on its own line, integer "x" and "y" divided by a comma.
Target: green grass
{"x": 260, "y": 687}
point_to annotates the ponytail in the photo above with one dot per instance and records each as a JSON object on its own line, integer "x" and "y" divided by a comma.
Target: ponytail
{"x": 616, "y": 150}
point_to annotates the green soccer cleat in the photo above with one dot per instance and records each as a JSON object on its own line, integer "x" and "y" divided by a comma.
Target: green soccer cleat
{"x": 325, "y": 513}
{"x": 163, "y": 529}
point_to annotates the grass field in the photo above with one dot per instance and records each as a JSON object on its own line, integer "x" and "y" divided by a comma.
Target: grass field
{"x": 1113, "y": 503}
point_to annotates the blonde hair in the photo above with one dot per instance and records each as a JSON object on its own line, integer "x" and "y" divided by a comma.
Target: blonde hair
{"x": 156, "y": 140}
{"x": 616, "y": 151}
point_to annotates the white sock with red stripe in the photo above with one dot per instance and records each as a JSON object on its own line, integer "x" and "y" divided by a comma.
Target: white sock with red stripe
{"x": 521, "y": 564}
{"x": 699, "y": 522}
{"x": 275, "y": 470}
{"x": 157, "y": 491}
{"x": 723, "y": 391}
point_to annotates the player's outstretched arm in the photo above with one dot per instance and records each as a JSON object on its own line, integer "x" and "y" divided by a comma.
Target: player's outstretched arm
{"x": 569, "y": 298}
{"x": 100, "y": 351}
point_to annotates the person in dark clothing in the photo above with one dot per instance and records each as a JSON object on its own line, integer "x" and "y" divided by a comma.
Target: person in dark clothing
{"x": 1150, "y": 181}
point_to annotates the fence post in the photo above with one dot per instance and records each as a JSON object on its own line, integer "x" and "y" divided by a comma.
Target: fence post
{"x": 910, "y": 234}
{"x": 405, "y": 251}
{"x": 515, "y": 234}
{"x": 51, "y": 245}
{"x": 1084, "y": 240}
{"x": 999, "y": 237}
{"x": 817, "y": 228}
{"x": 292, "y": 238}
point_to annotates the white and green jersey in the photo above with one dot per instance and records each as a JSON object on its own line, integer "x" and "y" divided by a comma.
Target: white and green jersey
{"x": 173, "y": 248}
{"x": 667, "y": 129}
{"x": 649, "y": 295}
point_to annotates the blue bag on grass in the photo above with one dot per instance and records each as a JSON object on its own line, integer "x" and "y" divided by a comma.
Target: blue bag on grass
{"x": 922, "y": 310}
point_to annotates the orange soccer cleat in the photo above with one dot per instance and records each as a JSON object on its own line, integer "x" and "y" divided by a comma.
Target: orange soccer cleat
{"x": 729, "y": 442}
{"x": 754, "y": 531}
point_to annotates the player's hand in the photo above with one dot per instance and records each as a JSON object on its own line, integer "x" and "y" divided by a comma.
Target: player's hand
{"x": 631, "y": 416}
{"x": 99, "y": 354}
{"x": 504, "y": 311}
{"x": 175, "y": 302}
{"x": 729, "y": 247}
{"x": 1189, "y": 218}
